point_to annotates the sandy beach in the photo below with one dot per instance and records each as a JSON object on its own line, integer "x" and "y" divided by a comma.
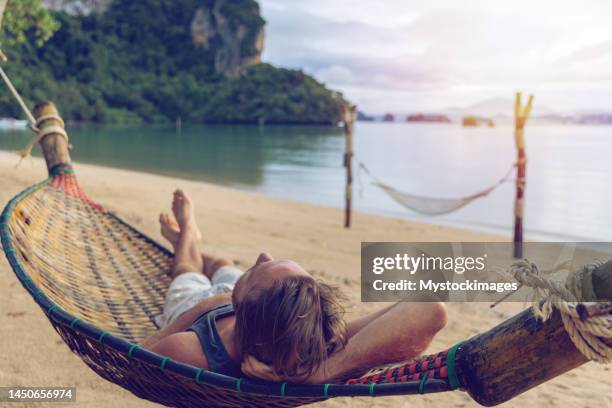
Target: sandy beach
{"x": 239, "y": 225}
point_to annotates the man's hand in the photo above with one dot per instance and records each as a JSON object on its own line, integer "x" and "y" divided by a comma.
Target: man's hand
{"x": 252, "y": 367}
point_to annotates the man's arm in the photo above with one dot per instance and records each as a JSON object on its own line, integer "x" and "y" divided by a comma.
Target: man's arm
{"x": 184, "y": 321}
{"x": 183, "y": 347}
{"x": 402, "y": 331}
{"x": 355, "y": 325}
{"x": 399, "y": 332}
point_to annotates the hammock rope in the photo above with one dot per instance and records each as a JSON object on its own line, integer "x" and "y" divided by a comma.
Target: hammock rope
{"x": 432, "y": 205}
{"x": 588, "y": 335}
{"x": 33, "y": 124}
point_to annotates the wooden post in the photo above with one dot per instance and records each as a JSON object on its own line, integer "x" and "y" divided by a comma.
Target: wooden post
{"x": 520, "y": 119}
{"x": 54, "y": 145}
{"x": 524, "y": 352}
{"x": 350, "y": 115}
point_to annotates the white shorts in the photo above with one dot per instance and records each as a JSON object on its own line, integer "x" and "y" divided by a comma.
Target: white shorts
{"x": 190, "y": 288}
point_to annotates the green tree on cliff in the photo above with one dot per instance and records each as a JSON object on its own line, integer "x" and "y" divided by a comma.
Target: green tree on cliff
{"x": 137, "y": 62}
{"x": 20, "y": 19}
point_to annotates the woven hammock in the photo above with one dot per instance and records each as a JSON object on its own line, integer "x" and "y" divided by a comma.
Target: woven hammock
{"x": 101, "y": 282}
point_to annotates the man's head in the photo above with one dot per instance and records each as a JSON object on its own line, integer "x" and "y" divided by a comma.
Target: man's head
{"x": 285, "y": 318}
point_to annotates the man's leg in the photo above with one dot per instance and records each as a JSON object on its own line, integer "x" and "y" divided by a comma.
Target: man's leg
{"x": 171, "y": 231}
{"x": 212, "y": 264}
{"x": 187, "y": 257}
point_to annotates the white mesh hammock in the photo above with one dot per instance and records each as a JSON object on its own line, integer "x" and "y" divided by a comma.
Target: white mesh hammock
{"x": 433, "y": 205}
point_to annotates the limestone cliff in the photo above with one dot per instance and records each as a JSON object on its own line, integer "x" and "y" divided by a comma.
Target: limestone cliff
{"x": 78, "y": 6}
{"x": 236, "y": 40}
{"x": 232, "y": 30}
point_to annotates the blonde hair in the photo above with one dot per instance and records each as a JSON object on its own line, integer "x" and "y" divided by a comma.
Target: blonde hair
{"x": 293, "y": 325}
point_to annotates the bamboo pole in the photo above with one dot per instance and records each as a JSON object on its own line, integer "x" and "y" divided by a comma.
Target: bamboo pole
{"x": 349, "y": 116}
{"x": 523, "y": 352}
{"x": 521, "y": 115}
{"x": 54, "y": 145}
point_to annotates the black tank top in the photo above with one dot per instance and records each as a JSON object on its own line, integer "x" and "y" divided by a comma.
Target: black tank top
{"x": 205, "y": 327}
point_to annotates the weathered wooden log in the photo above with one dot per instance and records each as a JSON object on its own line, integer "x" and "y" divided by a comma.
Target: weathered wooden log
{"x": 522, "y": 352}
{"x": 54, "y": 145}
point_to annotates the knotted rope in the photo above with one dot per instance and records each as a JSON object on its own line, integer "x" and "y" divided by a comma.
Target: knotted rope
{"x": 41, "y": 134}
{"x": 588, "y": 334}
{"x": 33, "y": 124}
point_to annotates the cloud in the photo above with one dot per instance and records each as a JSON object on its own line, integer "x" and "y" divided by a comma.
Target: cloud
{"x": 424, "y": 54}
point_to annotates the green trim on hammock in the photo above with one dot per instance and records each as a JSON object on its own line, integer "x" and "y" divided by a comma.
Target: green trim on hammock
{"x": 198, "y": 374}
{"x": 326, "y": 390}
{"x": 102, "y": 336}
{"x": 61, "y": 170}
{"x": 453, "y": 380}
{"x": 133, "y": 348}
{"x": 283, "y": 386}
{"x": 238, "y": 382}
{"x": 52, "y": 308}
{"x": 372, "y": 389}
{"x": 74, "y": 322}
{"x": 162, "y": 365}
{"x": 423, "y": 381}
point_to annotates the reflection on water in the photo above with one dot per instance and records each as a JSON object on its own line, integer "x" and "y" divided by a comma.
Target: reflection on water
{"x": 568, "y": 171}
{"x": 231, "y": 155}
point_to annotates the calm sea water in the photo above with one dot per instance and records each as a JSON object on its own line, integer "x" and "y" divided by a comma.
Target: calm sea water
{"x": 569, "y": 171}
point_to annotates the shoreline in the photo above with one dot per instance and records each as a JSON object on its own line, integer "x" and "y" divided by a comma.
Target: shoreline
{"x": 493, "y": 231}
{"x": 239, "y": 225}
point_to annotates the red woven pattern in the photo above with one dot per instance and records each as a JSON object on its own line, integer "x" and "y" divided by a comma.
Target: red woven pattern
{"x": 414, "y": 370}
{"x": 71, "y": 187}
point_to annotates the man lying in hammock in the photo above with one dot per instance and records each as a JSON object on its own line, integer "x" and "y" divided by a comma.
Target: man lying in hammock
{"x": 274, "y": 321}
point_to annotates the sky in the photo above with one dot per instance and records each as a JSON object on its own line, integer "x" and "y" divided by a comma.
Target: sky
{"x": 417, "y": 55}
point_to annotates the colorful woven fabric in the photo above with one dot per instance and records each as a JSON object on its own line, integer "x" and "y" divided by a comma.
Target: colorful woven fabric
{"x": 101, "y": 283}
{"x": 433, "y": 366}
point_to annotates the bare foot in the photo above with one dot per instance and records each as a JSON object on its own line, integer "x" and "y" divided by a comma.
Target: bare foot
{"x": 169, "y": 228}
{"x": 182, "y": 207}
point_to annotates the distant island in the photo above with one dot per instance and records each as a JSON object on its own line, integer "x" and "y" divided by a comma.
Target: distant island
{"x": 428, "y": 118}
{"x": 158, "y": 61}
{"x": 492, "y": 112}
{"x": 362, "y": 117}
{"x": 388, "y": 117}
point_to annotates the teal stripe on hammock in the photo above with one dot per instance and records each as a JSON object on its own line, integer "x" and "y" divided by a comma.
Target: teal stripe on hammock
{"x": 133, "y": 348}
{"x": 238, "y": 388}
{"x": 162, "y": 365}
{"x": 74, "y": 322}
{"x": 423, "y": 381}
{"x": 52, "y": 308}
{"x": 451, "y": 364}
{"x": 198, "y": 374}
{"x": 102, "y": 336}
